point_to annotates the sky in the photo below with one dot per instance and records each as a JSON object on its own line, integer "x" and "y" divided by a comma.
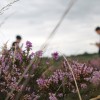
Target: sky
{"x": 35, "y": 19}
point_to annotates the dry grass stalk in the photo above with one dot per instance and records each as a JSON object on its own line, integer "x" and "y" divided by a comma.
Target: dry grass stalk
{"x": 96, "y": 98}
{"x": 70, "y": 68}
{"x": 7, "y": 6}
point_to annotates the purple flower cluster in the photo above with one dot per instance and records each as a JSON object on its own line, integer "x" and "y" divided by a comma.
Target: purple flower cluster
{"x": 43, "y": 83}
{"x": 39, "y": 53}
{"x": 52, "y": 96}
{"x": 28, "y": 45}
{"x": 95, "y": 63}
{"x": 83, "y": 75}
{"x": 19, "y": 57}
{"x": 96, "y": 78}
{"x": 55, "y": 55}
{"x": 81, "y": 71}
{"x": 57, "y": 77}
{"x": 83, "y": 86}
{"x": 12, "y": 67}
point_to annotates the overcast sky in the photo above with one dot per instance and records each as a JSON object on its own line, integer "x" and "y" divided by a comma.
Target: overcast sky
{"x": 35, "y": 19}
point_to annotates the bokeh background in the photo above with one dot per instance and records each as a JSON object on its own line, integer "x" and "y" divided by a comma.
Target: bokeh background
{"x": 35, "y": 19}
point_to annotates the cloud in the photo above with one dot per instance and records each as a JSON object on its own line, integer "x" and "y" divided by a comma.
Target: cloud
{"x": 35, "y": 19}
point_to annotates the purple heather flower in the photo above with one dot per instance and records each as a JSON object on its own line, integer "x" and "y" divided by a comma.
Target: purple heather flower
{"x": 39, "y": 53}
{"x": 55, "y": 78}
{"x": 55, "y": 55}
{"x": 52, "y": 96}
{"x": 31, "y": 55}
{"x": 60, "y": 95}
{"x": 96, "y": 78}
{"x": 28, "y": 45}
{"x": 19, "y": 57}
{"x": 83, "y": 86}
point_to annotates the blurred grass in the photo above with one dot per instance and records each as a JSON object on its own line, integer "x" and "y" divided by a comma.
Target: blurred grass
{"x": 53, "y": 65}
{"x": 84, "y": 57}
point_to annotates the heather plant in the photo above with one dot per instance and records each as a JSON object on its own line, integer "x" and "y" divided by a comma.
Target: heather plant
{"x": 56, "y": 86}
{"x": 61, "y": 82}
